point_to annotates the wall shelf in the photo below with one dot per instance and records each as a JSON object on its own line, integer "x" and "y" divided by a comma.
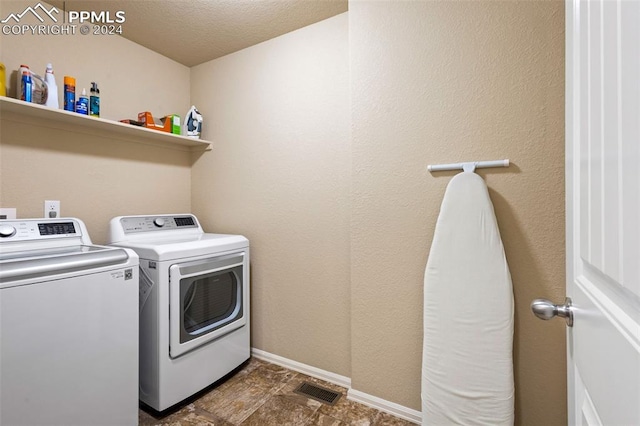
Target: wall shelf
{"x": 38, "y": 115}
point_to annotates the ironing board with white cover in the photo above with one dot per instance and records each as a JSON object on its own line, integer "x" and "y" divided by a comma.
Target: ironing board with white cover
{"x": 467, "y": 365}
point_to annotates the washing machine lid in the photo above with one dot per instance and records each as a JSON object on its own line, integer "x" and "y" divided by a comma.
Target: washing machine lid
{"x": 40, "y": 264}
{"x": 180, "y": 246}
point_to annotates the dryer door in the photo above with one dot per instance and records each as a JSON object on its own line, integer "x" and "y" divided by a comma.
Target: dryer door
{"x": 206, "y": 301}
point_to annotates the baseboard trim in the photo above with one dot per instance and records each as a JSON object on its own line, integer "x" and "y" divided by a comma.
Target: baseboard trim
{"x": 303, "y": 368}
{"x": 386, "y": 406}
{"x": 352, "y": 394}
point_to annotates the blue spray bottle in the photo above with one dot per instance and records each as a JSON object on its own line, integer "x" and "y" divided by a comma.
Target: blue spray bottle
{"x": 26, "y": 87}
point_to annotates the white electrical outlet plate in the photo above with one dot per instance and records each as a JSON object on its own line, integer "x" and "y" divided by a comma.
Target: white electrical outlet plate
{"x": 8, "y": 213}
{"x": 51, "y": 208}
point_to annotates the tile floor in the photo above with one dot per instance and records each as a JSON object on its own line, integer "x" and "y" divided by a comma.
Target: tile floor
{"x": 262, "y": 394}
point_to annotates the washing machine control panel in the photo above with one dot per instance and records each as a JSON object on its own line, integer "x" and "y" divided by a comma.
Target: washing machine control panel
{"x": 38, "y": 229}
{"x": 133, "y": 224}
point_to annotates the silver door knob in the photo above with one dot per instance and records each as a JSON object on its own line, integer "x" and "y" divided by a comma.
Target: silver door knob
{"x": 546, "y": 310}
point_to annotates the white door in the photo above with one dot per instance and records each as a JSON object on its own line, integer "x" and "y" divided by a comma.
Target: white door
{"x": 603, "y": 210}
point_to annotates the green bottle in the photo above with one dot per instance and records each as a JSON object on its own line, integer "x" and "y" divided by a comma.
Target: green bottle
{"x": 94, "y": 100}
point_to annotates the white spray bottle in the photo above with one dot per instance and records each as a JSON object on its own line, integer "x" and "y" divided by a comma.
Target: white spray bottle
{"x": 52, "y": 87}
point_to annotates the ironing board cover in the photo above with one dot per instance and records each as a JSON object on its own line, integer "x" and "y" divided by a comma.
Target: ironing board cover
{"x": 467, "y": 366}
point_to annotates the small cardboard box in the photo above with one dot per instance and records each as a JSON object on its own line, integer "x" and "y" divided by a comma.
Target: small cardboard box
{"x": 132, "y": 122}
{"x": 147, "y": 121}
{"x": 169, "y": 123}
{"x": 173, "y": 121}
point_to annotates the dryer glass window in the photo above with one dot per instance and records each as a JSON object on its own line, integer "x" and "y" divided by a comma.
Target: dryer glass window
{"x": 209, "y": 302}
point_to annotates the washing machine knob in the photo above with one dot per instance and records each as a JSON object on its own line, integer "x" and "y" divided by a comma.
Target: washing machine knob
{"x": 7, "y": 231}
{"x": 159, "y": 222}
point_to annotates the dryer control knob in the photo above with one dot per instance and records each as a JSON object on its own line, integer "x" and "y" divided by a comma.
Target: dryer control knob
{"x": 159, "y": 222}
{"x": 7, "y": 231}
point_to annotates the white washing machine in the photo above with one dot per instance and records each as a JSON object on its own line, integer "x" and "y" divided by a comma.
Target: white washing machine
{"x": 68, "y": 326}
{"x": 194, "y": 304}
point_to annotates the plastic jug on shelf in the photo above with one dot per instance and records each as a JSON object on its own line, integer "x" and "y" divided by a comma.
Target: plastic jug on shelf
{"x": 39, "y": 89}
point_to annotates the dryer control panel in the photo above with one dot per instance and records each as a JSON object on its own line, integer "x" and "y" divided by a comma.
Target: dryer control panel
{"x": 132, "y": 224}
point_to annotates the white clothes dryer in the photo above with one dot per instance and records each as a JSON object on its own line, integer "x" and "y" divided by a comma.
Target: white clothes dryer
{"x": 68, "y": 326}
{"x": 194, "y": 304}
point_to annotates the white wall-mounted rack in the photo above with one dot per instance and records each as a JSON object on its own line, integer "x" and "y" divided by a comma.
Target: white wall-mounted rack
{"x": 467, "y": 166}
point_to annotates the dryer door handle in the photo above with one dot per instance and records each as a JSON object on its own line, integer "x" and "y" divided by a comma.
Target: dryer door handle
{"x": 210, "y": 265}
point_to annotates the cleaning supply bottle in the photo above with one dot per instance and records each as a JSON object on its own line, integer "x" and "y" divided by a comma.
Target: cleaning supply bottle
{"x": 3, "y": 80}
{"x": 19, "y": 85}
{"x": 94, "y": 100}
{"x": 52, "y": 87}
{"x": 26, "y": 86}
{"x": 69, "y": 93}
{"x": 82, "y": 105}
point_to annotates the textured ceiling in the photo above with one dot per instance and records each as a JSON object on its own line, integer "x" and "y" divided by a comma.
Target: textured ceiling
{"x": 196, "y": 31}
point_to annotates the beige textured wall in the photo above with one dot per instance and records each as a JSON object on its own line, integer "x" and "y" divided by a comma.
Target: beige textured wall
{"x": 279, "y": 173}
{"x": 131, "y": 78}
{"x": 438, "y": 82}
{"x": 94, "y": 177}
